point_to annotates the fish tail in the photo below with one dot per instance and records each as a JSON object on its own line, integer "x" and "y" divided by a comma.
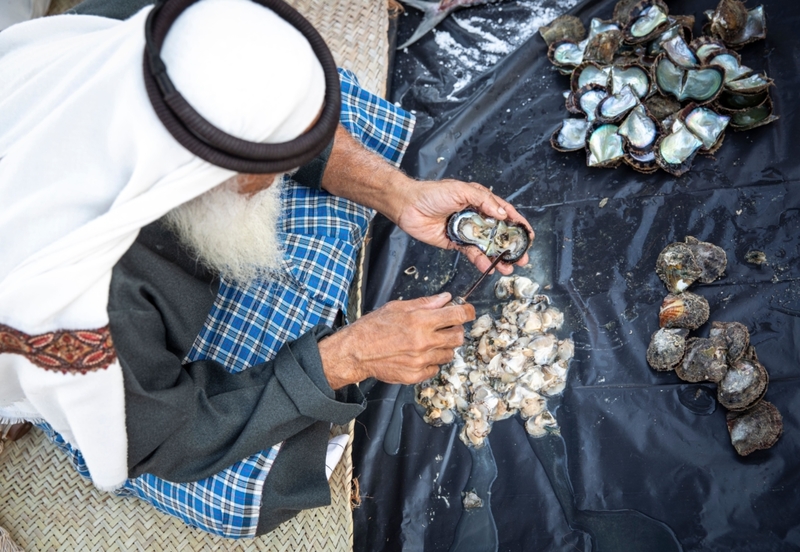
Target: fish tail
{"x": 433, "y": 16}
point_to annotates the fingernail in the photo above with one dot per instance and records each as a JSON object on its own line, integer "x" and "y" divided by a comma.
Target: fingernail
{"x": 501, "y": 210}
{"x": 443, "y": 295}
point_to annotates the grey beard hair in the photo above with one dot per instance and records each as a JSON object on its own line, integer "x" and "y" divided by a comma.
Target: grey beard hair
{"x": 234, "y": 235}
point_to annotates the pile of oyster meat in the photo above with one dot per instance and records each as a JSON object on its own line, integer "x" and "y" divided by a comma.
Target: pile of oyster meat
{"x": 725, "y": 357}
{"x": 505, "y": 366}
{"x": 649, "y": 94}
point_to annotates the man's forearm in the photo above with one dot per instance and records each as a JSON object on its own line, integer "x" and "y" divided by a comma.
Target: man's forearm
{"x": 355, "y": 173}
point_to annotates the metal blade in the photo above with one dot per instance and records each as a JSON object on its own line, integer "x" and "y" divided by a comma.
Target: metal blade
{"x": 485, "y": 273}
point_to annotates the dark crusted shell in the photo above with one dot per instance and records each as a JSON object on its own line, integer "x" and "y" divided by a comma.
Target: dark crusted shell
{"x": 728, "y": 20}
{"x": 686, "y": 310}
{"x": 710, "y": 258}
{"x": 603, "y": 46}
{"x": 661, "y": 107}
{"x": 705, "y": 360}
{"x": 622, "y": 11}
{"x": 677, "y": 267}
{"x": 744, "y": 384}
{"x": 755, "y": 429}
{"x": 736, "y": 337}
{"x": 666, "y": 348}
{"x": 564, "y": 27}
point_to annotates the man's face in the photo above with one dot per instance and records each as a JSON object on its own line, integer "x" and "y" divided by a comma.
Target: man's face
{"x": 251, "y": 184}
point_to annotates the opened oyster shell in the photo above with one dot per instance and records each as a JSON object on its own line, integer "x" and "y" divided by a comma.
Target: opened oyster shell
{"x": 757, "y": 428}
{"x": 491, "y": 236}
{"x": 744, "y": 384}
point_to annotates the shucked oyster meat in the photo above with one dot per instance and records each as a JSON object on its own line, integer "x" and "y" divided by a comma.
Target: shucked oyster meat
{"x": 506, "y": 366}
{"x": 491, "y": 236}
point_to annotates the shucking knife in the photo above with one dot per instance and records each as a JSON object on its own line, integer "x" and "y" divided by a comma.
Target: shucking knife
{"x": 462, "y": 299}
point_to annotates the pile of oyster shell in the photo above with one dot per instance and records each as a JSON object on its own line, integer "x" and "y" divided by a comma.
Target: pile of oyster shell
{"x": 648, "y": 93}
{"x": 505, "y": 366}
{"x": 725, "y": 357}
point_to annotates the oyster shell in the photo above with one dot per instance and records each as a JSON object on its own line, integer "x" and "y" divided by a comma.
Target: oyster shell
{"x": 661, "y": 107}
{"x": 750, "y": 84}
{"x": 613, "y": 108}
{"x": 677, "y": 267}
{"x": 686, "y": 310}
{"x": 491, "y": 236}
{"x": 632, "y": 75}
{"x": 639, "y": 130}
{"x": 586, "y": 99}
{"x": 755, "y": 429}
{"x": 605, "y": 146}
{"x": 603, "y": 46}
{"x": 701, "y": 85}
{"x": 728, "y": 20}
{"x": 679, "y": 52}
{"x": 587, "y": 73}
{"x": 570, "y": 135}
{"x": 744, "y": 384}
{"x": 753, "y": 117}
{"x": 732, "y": 22}
{"x": 675, "y": 151}
{"x": 705, "y": 124}
{"x": 646, "y": 21}
{"x": 710, "y": 258}
{"x": 470, "y": 500}
{"x": 705, "y": 47}
{"x": 705, "y": 360}
{"x": 541, "y": 424}
{"x": 565, "y": 53}
{"x": 565, "y": 27}
{"x": 666, "y": 349}
{"x": 736, "y": 336}
{"x": 642, "y": 162}
{"x": 731, "y": 63}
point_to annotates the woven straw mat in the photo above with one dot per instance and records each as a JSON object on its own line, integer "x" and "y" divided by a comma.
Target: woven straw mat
{"x": 45, "y": 505}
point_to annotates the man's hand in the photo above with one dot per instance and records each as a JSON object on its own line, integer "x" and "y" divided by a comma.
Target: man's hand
{"x": 401, "y": 342}
{"x": 427, "y": 205}
{"x": 419, "y": 208}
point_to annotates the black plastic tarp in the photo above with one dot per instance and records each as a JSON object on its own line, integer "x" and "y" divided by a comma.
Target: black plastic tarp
{"x": 644, "y": 460}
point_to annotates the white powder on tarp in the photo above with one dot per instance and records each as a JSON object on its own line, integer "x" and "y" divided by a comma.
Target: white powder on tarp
{"x": 491, "y": 40}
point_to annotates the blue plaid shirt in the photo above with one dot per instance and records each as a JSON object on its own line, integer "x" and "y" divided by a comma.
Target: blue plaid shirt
{"x": 321, "y": 235}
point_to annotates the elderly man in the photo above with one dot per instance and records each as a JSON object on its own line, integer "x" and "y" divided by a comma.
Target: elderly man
{"x": 166, "y": 312}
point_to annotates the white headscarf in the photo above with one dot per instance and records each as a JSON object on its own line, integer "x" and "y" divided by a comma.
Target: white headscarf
{"x": 85, "y": 163}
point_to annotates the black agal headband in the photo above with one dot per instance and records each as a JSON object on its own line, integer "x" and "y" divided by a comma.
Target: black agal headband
{"x": 208, "y": 142}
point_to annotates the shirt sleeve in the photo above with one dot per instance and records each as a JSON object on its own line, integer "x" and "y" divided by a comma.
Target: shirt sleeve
{"x": 187, "y": 421}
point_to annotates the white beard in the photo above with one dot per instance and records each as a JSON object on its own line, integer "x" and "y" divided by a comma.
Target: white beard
{"x": 234, "y": 235}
